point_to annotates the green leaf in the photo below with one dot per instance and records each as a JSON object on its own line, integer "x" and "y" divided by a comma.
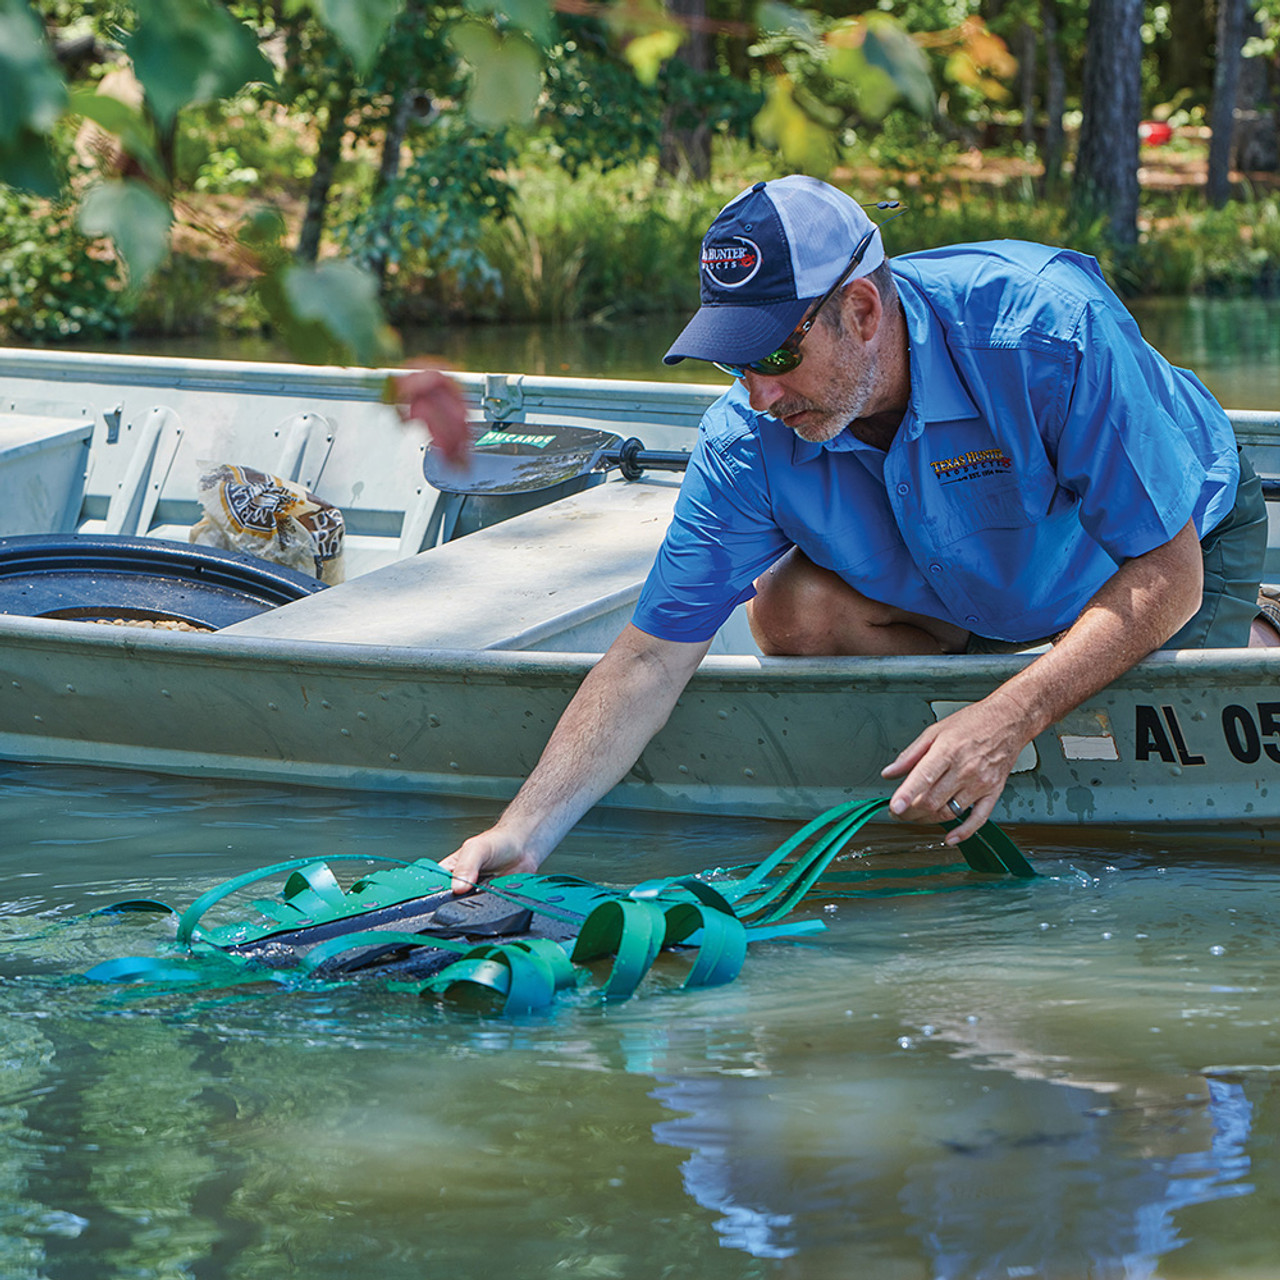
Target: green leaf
{"x": 136, "y": 219}
{"x": 127, "y": 123}
{"x": 187, "y": 51}
{"x": 776, "y": 18}
{"x": 506, "y": 74}
{"x": 360, "y": 25}
{"x": 32, "y": 98}
{"x": 805, "y": 146}
{"x": 32, "y": 94}
{"x": 533, "y": 16}
{"x": 648, "y": 52}
{"x": 873, "y": 88}
{"x": 889, "y": 48}
{"x": 332, "y": 312}
{"x": 27, "y": 165}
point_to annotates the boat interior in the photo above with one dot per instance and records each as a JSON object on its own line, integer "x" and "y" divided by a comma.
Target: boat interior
{"x": 116, "y": 445}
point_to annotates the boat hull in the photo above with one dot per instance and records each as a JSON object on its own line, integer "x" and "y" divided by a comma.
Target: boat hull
{"x": 1183, "y": 738}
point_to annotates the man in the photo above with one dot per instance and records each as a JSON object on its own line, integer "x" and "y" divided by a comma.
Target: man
{"x": 973, "y": 451}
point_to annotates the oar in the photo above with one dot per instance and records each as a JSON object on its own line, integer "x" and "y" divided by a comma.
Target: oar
{"x": 523, "y": 458}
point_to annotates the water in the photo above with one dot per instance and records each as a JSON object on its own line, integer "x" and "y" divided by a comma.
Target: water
{"x": 1074, "y": 1076}
{"x": 1232, "y": 343}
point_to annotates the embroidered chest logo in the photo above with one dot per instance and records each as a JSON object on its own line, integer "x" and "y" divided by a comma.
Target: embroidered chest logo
{"x": 977, "y": 464}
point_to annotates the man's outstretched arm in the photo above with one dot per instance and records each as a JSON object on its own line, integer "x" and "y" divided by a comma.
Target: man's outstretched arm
{"x": 967, "y": 756}
{"x": 625, "y": 699}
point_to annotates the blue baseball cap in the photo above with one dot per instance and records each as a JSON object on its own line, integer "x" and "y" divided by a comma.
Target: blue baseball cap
{"x": 771, "y": 252}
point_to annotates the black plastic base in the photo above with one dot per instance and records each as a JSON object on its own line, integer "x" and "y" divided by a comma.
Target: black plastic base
{"x": 99, "y": 577}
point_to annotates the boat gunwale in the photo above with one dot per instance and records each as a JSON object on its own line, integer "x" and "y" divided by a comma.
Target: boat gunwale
{"x": 322, "y": 381}
{"x": 1181, "y": 668}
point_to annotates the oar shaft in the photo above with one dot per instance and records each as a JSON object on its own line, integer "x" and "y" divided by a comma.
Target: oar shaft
{"x": 633, "y": 459}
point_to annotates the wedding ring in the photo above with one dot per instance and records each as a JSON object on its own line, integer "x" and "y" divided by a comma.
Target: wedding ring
{"x": 955, "y": 808}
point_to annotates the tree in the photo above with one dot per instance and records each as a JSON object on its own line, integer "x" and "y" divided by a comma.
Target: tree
{"x": 1055, "y": 97}
{"x": 1105, "y": 183}
{"x": 344, "y": 63}
{"x": 1226, "y": 82}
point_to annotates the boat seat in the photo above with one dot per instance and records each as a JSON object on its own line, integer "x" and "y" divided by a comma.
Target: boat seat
{"x": 521, "y": 584}
{"x": 42, "y": 471}
{"x": 150, "y": 488}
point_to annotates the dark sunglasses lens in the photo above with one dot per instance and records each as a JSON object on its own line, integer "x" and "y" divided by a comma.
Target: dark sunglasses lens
{"x": 781, "y": 361}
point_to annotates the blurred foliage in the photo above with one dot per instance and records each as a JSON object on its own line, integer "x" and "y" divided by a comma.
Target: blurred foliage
{"x": 495, "y": 158}
{"x": 595, "y": 112}
{"x": 426, "y": 223}
{"x": 53, "y": 288}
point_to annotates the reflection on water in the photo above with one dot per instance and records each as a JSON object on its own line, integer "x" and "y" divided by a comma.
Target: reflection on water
{"x": 1232, "y": 343}
{"x": 1063, "y": 1078}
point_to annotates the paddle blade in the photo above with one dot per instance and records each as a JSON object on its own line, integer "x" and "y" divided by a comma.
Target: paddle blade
{"x": 521, "y": 459}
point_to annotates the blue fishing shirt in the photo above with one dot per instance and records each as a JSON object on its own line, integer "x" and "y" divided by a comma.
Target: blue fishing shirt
{"x": 1045, "y": 443}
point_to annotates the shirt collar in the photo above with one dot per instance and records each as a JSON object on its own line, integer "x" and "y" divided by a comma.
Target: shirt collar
{"x": 937, "y": 393}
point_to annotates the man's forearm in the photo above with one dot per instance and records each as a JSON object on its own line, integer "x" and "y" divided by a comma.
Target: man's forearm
{"x": 966, "y": 757}
{"x": 625, "y": 699}
{"x": 1144, "y": 603}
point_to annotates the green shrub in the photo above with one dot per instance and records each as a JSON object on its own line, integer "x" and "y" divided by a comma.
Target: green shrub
{"x": 52, "y": 286}
{"x": 605, "y": 244}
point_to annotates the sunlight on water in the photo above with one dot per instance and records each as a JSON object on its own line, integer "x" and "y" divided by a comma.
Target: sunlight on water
{"x": 1069, "y": 1077}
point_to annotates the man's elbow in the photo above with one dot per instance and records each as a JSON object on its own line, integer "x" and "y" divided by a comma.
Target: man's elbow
{"x": 1183, "y": 577}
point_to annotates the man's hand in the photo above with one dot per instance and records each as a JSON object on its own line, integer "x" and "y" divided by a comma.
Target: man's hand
{"x": 965, "y": 757}
{"x": 491, "y": 853}
{"x": 434, "y": 399}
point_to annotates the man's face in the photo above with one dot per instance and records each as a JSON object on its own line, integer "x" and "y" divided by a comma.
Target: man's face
{"x": 833, "y": 386}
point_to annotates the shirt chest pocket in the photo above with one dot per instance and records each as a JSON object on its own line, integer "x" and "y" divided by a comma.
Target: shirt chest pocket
{"x": 988, "y": 494}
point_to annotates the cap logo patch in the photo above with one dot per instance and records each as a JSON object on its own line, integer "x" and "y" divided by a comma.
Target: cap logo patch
{"x": 731, "y": 265}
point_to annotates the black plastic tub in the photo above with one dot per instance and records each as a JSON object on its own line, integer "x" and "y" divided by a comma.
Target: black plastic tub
{"x": 100, "y": 578}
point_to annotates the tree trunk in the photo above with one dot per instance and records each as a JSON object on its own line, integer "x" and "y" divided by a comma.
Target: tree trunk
{"x": 683, "y": 146}
{"x": 1106, "y": 175}
{"x": 1027, "y": 82}
{"x": 1184, "y": 57}
{"x": 402, "y": 108}
{"x": 1222, "y": 109}
{"x": 328, "y": 153}
{"x": 1055, "y": 98}
{"x": 1257, "y": 148}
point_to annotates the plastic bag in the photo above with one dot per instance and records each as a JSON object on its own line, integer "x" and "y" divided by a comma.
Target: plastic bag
{"x": 277, "y": 520}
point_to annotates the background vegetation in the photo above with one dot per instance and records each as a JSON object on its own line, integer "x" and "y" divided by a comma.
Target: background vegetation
{"x": 183, "y": 166}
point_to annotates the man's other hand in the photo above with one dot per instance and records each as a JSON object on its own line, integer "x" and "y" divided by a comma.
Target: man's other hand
{"x": 434, "y": 399}
{"x": 965, "y": 757}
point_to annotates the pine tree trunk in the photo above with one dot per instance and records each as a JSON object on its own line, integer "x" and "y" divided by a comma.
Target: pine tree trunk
{"x": 328, "y": 153}
{"x": 1257, "y": 142}
{"x": 687, "y": 147}
{"x": 1222, "y": 109}
{"x": 389, "y": 164}
{"x": 1106, "y": 174}
{"x": 1055, "y": 97}
{"x": 1027, "y": 82}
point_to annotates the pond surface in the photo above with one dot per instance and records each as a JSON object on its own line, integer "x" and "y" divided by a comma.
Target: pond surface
{"x": 1074, "y": 1076}
{"x": 1232, "y": 343}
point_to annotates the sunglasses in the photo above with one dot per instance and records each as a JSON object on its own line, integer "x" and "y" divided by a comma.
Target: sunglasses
{"x": 788, "y": 356}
